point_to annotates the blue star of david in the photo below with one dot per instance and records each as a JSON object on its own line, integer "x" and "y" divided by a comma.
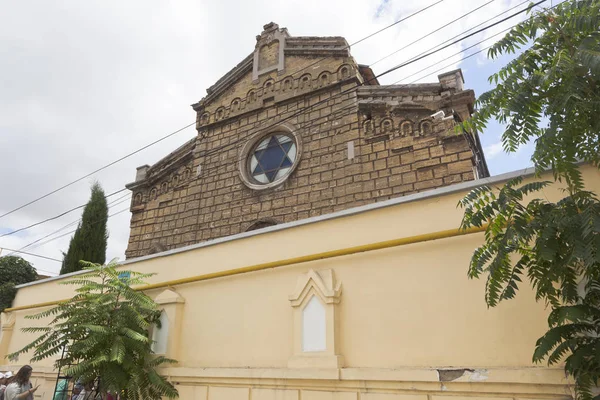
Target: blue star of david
{"x": 272, "y": 158}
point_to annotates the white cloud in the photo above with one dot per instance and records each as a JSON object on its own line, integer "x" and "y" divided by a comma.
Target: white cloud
{"x": 493, "y": 150}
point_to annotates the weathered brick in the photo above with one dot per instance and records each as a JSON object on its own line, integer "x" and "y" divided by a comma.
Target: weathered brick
{"x": 426, "y": 163}
{"x": 422, "y": 154}
{"x": 433, "y": 183}
{"x": 424, "y": 174}
{"x": 409, "y": 177}
{"x": 460, "y": 167}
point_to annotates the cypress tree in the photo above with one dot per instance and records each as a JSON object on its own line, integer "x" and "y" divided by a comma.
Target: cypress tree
{"x": 89, "y": 241}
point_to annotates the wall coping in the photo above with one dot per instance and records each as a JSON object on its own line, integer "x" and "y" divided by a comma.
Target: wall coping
{"x": 459, "y": 187}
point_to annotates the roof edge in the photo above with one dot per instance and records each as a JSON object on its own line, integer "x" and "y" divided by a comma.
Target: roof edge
{"x": 459, "y": 187}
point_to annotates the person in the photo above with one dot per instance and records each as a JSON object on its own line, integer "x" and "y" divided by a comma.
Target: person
{"x": 20, "y": 388}
{"x": 76, "y": 390}
{"x": 88, "y": 392}
{"x": 2, "y": 385}
{"x": 4, "y": 382}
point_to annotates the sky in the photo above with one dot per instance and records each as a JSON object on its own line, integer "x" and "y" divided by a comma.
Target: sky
{"x": 85, "y": 83}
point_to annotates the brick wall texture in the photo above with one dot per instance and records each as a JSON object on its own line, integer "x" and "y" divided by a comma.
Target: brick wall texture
{"x": 360, "y": 143}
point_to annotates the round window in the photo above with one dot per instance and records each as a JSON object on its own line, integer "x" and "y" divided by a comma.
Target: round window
{"x": 272, "y": 159}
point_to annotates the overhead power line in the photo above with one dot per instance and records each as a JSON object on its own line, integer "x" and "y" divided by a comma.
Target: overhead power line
{"x": 96, "y": 170}
{"x": 37, "y": 244}
{"x": 111, "y": 204}
{"x": 431, "y": 33}
{"x": 396, "y": 23}
{"x": 55, "y": 217}
{"x": 193, "y": 123}
{"x": 454, "y": 37}
{"x": 31, "y": 254}
{"x": 458, "y": 40}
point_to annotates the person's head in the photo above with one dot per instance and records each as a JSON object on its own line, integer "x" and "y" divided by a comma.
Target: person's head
{"x": 9, "y": 377}
{"x": 23, "y": 375}
{"x": 77, "y": 388}
{"x": 2, "y": 379}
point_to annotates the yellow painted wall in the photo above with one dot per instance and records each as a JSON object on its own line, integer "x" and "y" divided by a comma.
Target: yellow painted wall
{"x": 405, "y": 312}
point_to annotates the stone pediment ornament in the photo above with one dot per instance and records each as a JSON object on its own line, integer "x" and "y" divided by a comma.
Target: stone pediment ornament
{"x": 268, "y": 53}
{"x": 169, "y": 296}
{"x": 323, "y": 283}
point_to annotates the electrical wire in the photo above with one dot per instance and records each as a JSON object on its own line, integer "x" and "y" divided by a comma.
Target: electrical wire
{"x": 431, "y": 33}
{"x": 458, "y": 40}
{"x": 111, "y": 204}
{"x": 55, "y": 217}
{"x": 97, "y": 170}
{"x": 33, "y": 255}
{"x": 395, "y": 23}
{"x": 67, "y": 233}
{"x": 454, "y": 37}
{"x": 48, "y": 241}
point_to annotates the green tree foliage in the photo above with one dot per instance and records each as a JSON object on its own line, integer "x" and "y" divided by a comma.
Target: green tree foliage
{"x": 105, "y": 328}
{"x": 13, "y": 271}
{"x": 89, "y": 241}
{"x": 550, "y": 94}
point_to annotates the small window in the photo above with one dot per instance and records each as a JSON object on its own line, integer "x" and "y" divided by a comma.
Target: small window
{"x": 344, "y": 72}
{"x": 273, "y": 158}
{"x": 387, "y": 126}
{"x": 287, "y": 84}
{"x": 235, "y": 105}
{"x": 305, "y": 81}
{"x": 406, "y": 128}
{"x": 425, "y": 128}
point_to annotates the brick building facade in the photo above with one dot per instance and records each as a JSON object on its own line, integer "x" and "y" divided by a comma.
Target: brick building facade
{"x": 299, "y": 129}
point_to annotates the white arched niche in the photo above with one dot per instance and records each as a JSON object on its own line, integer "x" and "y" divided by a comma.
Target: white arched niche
{"x": 160, "y": 335}
{"x": 314, "y": 304}
{"x": 314, "y": 328}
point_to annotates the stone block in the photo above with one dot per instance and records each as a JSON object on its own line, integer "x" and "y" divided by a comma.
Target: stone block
{"x": 422, "y": 154}
{"x": 433, "y": 183}
{"x": 380, "y": 164}
{"x": 448, "y": 159}
{"x": 425, "y": 174}
{"x": 426, "y": 163}
{"x": 409, "y": 177}
{"x": 465, "y": 155}
{"x": 460, "y": 167}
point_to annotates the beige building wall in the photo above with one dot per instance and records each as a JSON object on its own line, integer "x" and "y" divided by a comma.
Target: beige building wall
{"x": 403, "y": 320}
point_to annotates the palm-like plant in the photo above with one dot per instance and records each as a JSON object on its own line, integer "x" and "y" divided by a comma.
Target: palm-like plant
{"x": 105, "y": 330}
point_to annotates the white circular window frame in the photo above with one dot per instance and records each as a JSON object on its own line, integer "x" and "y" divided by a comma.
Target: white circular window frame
{"x": 252, "y": 143}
